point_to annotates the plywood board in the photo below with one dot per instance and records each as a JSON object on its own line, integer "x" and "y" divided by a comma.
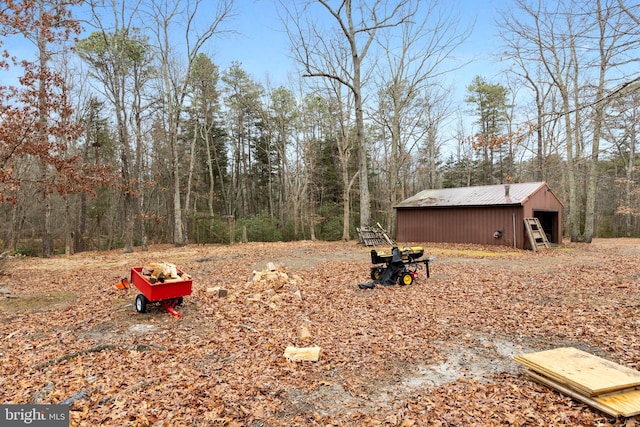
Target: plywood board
{"x": 623, "y": 403}
{"x": 580, "y": 371}
{"x": 627, "y": 402}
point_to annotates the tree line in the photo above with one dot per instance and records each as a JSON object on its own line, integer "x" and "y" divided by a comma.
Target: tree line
{"x": 121, "y": 130}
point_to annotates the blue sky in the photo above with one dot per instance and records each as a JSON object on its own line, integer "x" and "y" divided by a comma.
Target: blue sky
{"x": 260, "y": 45}
{"x": 263, "y": 49}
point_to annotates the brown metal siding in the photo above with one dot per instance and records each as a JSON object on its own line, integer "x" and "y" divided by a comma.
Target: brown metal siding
{"x": 461, "y": 225}
{"x": 545, "y": 201}
{"x": 542, "y": 199}
{"x": 477, "y": 224}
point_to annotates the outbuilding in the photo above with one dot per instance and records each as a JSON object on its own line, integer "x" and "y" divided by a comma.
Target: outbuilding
{"x": 488, "y": 215}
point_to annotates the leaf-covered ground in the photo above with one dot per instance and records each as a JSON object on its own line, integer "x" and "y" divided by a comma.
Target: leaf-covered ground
{"x": 437, "y": 352}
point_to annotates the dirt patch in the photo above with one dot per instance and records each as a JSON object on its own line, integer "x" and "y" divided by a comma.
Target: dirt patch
{"x": 480, "y": 358}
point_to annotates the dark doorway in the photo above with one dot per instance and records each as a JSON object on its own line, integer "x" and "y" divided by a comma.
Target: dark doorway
{"x": 549, "y": 222}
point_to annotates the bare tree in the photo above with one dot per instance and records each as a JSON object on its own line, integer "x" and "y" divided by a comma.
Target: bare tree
{"x": 168, "y": 18}
{"x": 437, "y": 108}
{"x": 621, "y": 130}
{"x": 581, "y": 49}
{"x": 242, "y": 110}
{"x": 205, "y": 106}
{"x": 408, "y": 81}
{"x": 111, "y": 52}
{"x": 319, "y": 51}
{"x": 302, "y": 162}
{"x": 551, "y": 36}
{"x": 616, "y": 44}
{"x": 528, "y": 69}
{"x": 314, "y": 133}
{"x": 341, "y": 130}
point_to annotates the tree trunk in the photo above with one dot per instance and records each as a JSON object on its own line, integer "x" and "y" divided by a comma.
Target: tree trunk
{"x": 346, "y": 201}
{"x": 192, "y": 161}
{"x": 394, "y": 173}
{"x": 631, "y": 165}
{"x": 43, "y": 117}
{"x": 178, "y": 236}
{"x": 592, "y": 181}
{"x": 574, "y": 204}
{"x": 68, "y": 246}
{"x": 363, "y": 151}
{"x": 17, "y": 219}
{"x": 128, "y": 202}
{"x": 140, "y": 164}
{"x": 211, "y": 192}
{"x": 47, "y": 240}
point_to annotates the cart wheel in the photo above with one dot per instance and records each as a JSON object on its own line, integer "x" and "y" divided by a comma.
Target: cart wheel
{"x": 406, "y": 278}
{"x": 180, "y": 301}
{"x": 376, "y": 272}
{"x": 141, "y": 303}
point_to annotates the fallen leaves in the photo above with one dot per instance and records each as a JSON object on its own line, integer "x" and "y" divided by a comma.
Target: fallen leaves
{"x": 437, "y": 352}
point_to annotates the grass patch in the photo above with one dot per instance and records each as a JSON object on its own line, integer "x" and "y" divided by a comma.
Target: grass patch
{"x": 477, "y": 253}
{"x": 40, "y": 301}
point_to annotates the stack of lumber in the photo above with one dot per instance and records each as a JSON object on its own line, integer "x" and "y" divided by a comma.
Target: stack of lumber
{"x": 604, "y": 385}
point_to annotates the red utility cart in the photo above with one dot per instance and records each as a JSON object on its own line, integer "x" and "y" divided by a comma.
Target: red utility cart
{"x": 168, "y": 293}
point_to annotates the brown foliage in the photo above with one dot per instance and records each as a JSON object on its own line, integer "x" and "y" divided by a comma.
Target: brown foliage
{"x": 35, "y": 115}
{"x": 494, "y": 142}
{"x": 437, "y": 352}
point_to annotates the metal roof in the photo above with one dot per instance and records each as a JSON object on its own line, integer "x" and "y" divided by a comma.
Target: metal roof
{"x": 483, "y": 195}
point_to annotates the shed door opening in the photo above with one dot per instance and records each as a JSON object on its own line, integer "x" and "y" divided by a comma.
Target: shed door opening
{"x": 549, "y": 222}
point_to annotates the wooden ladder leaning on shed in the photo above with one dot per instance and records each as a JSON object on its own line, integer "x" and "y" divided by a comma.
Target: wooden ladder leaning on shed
{"x": 537, "y": 237}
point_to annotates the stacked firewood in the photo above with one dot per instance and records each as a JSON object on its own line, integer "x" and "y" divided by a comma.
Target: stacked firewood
{"x": 274, "y": 278}
{"x": 163, "y": 272}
